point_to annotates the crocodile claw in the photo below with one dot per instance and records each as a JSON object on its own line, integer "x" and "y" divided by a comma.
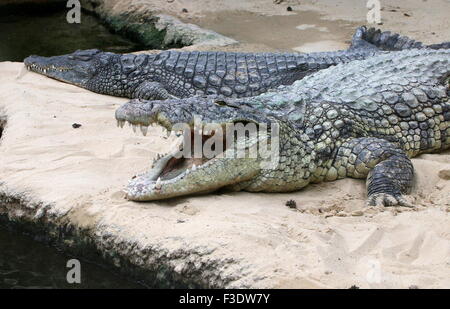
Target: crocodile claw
{"x": 385, "y": 199}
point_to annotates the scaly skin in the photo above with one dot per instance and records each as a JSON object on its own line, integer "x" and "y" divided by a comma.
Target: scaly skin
{"x": 174, "y": 74}
{"x": 386, "y": 40}
{"x": 364, "y": 119}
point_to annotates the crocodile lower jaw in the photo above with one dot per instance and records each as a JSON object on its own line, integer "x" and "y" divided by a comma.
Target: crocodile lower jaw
{"x": 173, "y": 166}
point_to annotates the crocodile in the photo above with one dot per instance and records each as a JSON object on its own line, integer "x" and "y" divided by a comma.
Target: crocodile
{"x": 178, "y": 74}
{"x": 364, "y": 119}
{"x": 181, "y": 74}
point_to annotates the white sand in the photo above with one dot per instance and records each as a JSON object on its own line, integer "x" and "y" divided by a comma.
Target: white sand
{"x": 263, "y": 25}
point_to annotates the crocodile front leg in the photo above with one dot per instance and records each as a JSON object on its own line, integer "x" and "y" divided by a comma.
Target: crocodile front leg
{"x": 151, "y": 91}
{"x": 388, "y": 170}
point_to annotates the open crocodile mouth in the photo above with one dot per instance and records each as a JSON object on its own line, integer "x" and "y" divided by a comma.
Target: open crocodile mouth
{"x": 183, "y": 160}
{"x": 208, "y": 153}
{"x": 179, "y": 163}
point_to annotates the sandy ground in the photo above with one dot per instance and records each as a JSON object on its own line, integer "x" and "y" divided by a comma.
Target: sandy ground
{"x": 312, "y": 25}
{"x": 253, "y": 240}
{"x": 332, "y": 240}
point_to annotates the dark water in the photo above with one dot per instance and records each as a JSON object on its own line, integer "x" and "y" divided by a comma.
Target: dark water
{"x": 48, "y": 34}
{"x": 25, "y": 263}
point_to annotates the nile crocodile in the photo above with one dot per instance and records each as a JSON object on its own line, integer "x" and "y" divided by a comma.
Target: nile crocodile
{"x": 178, "y": 74}
{"x": 181, "y": 74}
{"x": 363, "y": 119}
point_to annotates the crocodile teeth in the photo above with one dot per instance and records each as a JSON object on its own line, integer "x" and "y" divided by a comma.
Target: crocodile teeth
{"x": 144, "y": 130}
{"x": 158, "y": 183}
{"x": 194, "y": 167}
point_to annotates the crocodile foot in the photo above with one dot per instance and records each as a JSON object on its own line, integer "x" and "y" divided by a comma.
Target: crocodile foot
{"x": 385, "y": 199}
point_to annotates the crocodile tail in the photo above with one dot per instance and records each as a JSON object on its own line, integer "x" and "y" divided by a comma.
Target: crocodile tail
{"x": 383, "y": 40}
{"x": 359, "y": 41}
{"x": 445, "y": 45}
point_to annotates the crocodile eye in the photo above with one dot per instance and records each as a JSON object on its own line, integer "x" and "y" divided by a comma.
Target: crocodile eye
{"x": 225, "y": 103}
{"x": 84, "y": 55}
{"x": 128, "y": 63}
{"x": 84, "y": 58}
{"x": 87, "y": 52}
{"x": 220, "y": 103}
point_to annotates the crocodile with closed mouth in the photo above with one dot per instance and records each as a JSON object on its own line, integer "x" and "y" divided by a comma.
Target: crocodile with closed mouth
{"x": 181, "y": 74}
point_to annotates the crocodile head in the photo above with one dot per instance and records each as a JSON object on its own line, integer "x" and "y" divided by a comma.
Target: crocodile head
{"x": 78, "y": 68}
{"x": 225, "y": 153}
{"x": 97, "y": 71}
